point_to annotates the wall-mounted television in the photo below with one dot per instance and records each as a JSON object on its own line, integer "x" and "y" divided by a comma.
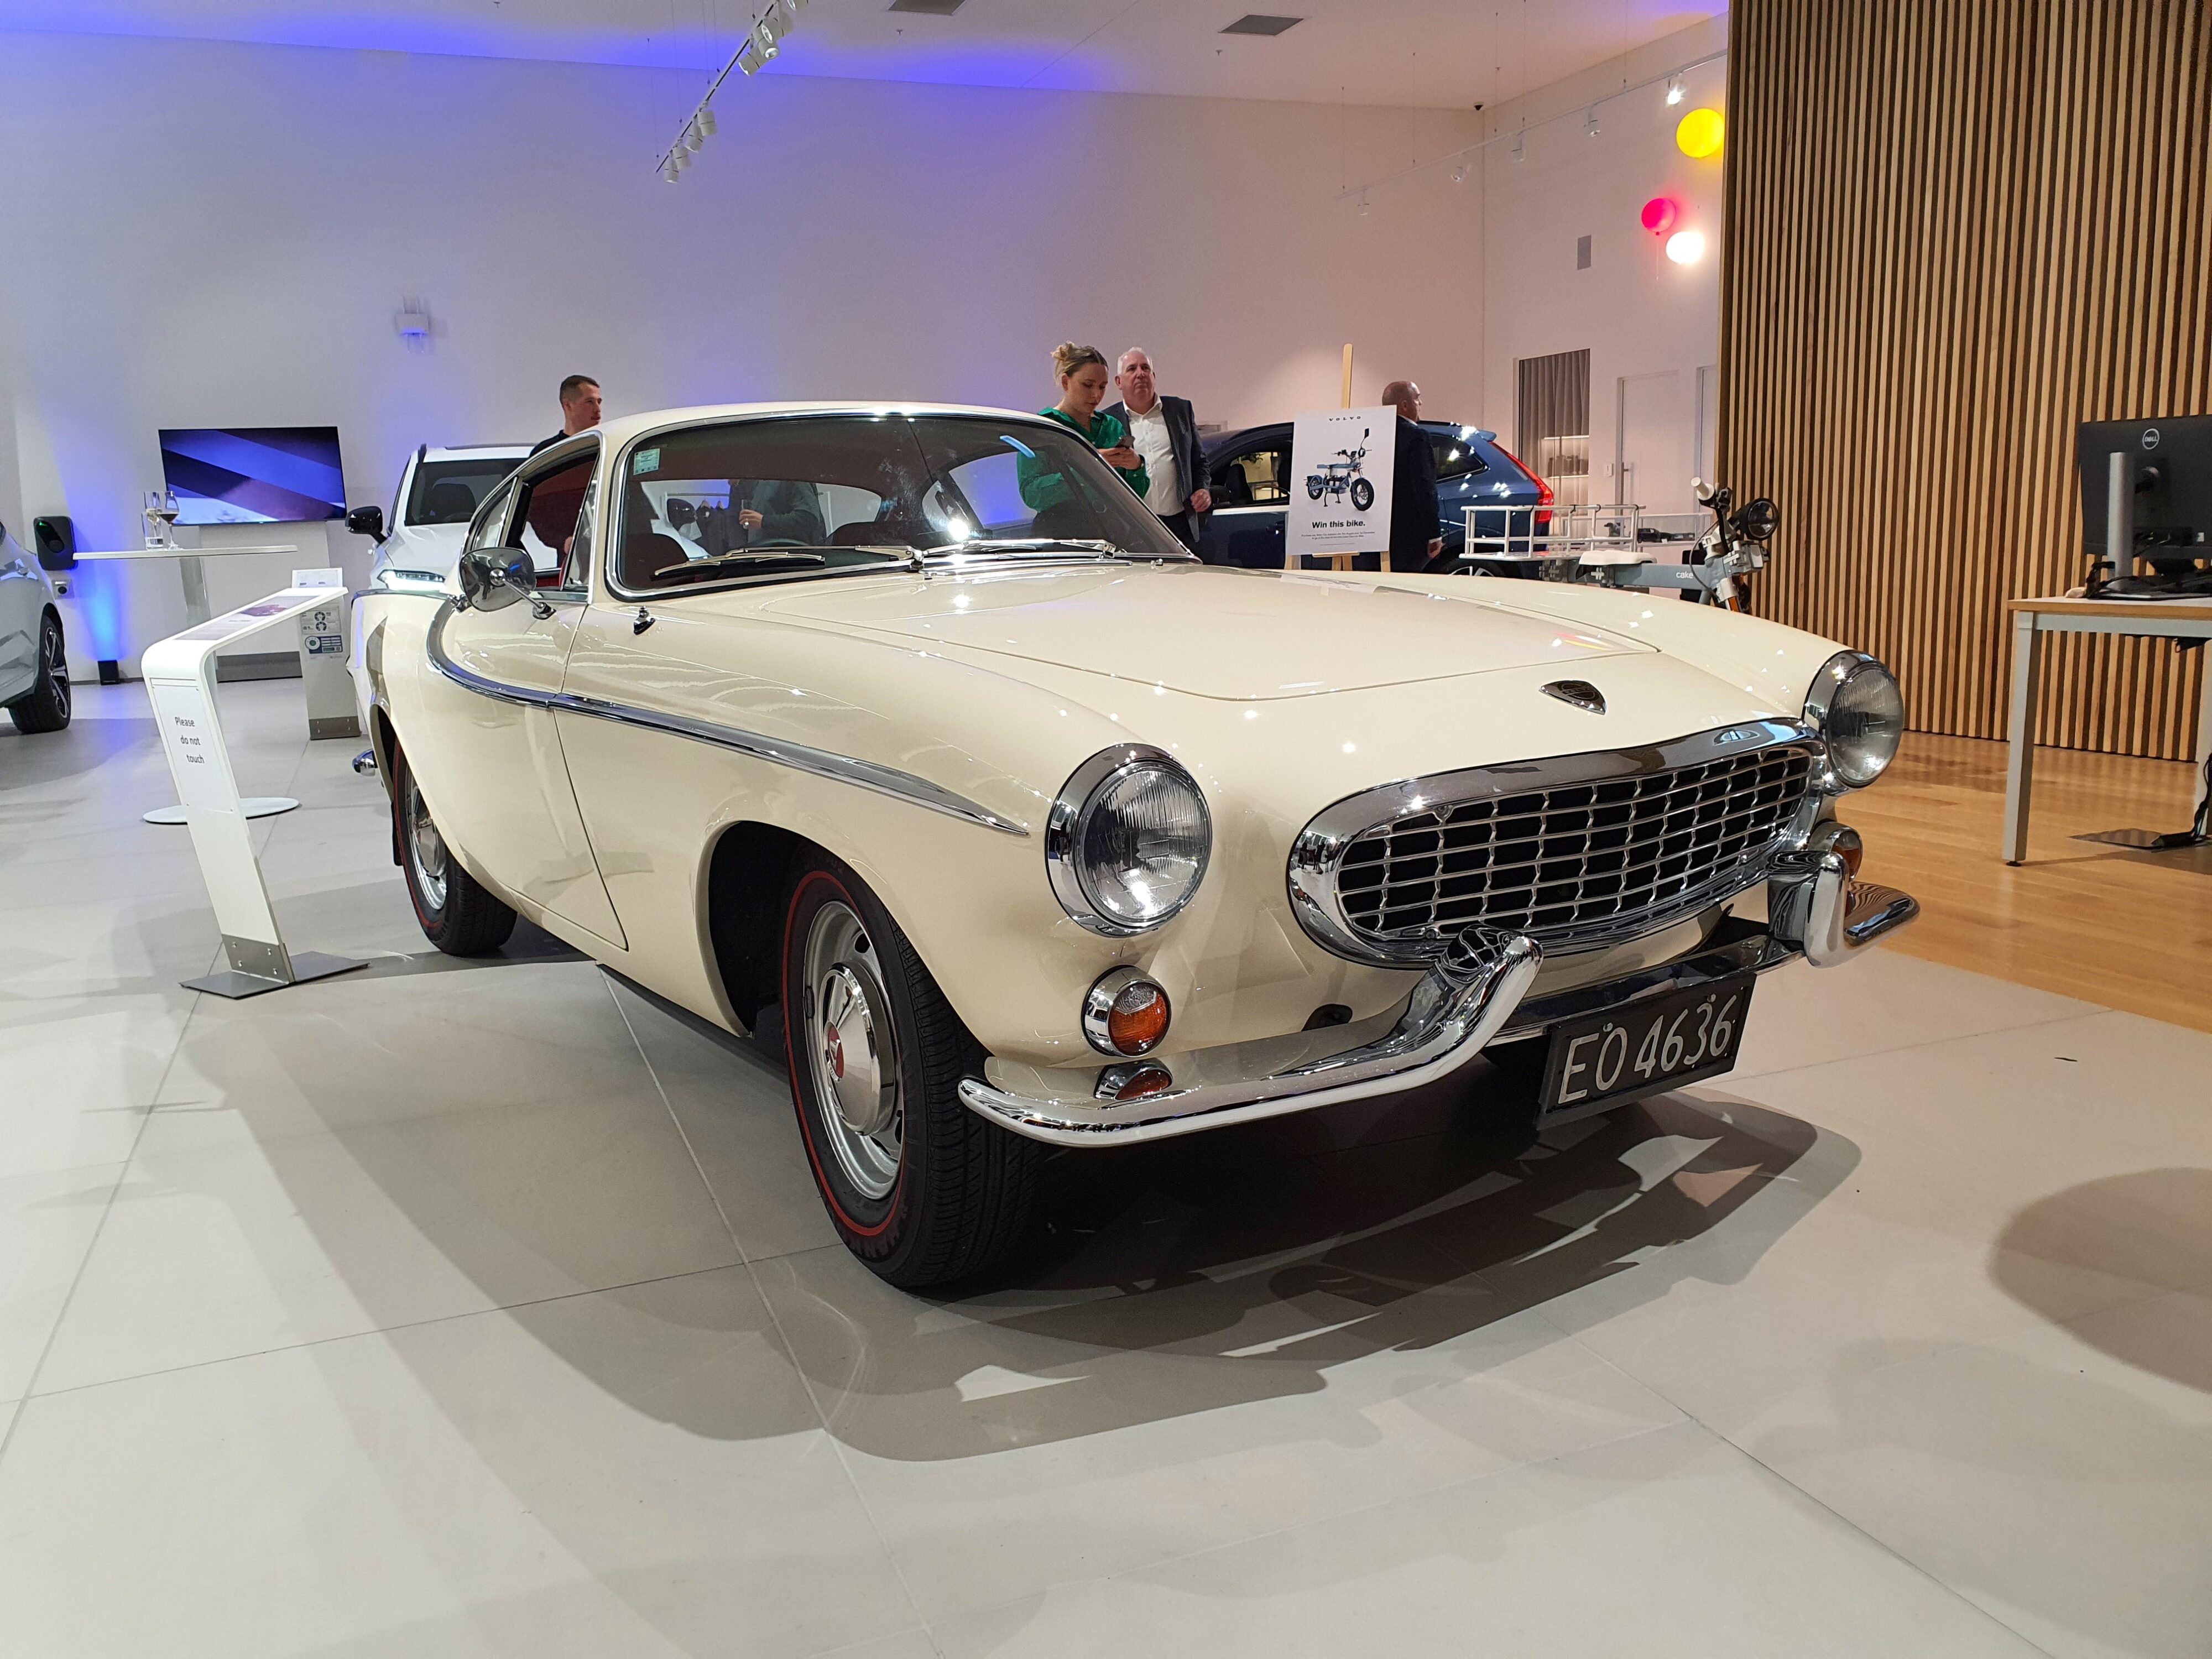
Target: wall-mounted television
{"x": 254, "y": 474}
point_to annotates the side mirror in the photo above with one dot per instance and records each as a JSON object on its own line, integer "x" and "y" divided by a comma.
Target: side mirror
{"x": 493, "y": 578}
{"x": 1759, "y": 521}
{"x": 366, "y": 521}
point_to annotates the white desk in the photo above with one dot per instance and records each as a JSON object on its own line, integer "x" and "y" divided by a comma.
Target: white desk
{"x": 190, "y": 571}
{"x": 2172, "y": 619}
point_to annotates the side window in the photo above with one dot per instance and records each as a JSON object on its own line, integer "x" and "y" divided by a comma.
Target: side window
{"x": 1455, "y": 457}
{"x": 549, "y": 515}
{"x": 576, "y": 571}
{"x": 490, "y": 528}
{"x": 1257, "y": 478}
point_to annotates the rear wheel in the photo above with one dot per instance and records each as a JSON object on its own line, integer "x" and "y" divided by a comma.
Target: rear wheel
{"x": 459, "y": 914}
{"x": 46, "y": 707}
{"x": 919, "y": 1189}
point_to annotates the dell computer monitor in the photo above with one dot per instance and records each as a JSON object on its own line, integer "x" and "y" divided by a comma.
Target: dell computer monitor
{"x": 2169, "y": 464}
{"x": 254, "y": 474}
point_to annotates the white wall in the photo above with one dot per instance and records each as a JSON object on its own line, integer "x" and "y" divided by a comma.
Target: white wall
{"x": 213, "y": 235}
{"x": 1637, "y": 313}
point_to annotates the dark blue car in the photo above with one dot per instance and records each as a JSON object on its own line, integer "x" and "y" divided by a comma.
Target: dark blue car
{"x": 1252, "y": 486}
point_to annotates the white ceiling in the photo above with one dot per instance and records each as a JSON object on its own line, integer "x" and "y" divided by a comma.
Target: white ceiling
{"x": 1425, "y": 53}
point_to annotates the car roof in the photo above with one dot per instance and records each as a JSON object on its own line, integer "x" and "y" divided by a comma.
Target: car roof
{"x": 1218, "y": 440}
{"x": 476, "y": 453}
{"x": 630, "y": 426}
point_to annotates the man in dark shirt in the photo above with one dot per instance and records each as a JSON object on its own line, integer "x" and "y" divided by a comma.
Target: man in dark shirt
{"x": 580, "y": 410}
{"x": 1416, "y": 533}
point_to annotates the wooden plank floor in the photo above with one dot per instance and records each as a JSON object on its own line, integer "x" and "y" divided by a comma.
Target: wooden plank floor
{"x": 2130, "y": 930}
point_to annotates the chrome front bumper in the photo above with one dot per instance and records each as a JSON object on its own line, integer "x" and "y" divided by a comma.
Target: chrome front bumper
{"x": 1472, "y": 996}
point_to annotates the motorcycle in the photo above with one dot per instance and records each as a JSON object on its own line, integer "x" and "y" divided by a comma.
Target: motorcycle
{"x": 1733, "y": 547}
{"x": 1342, "y": 478}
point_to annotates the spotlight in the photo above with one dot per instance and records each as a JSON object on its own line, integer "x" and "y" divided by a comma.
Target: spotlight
{"x": 749, "y": 57}
{"x": 704, "y": 121}
{"x": 1685, "y": 247}
{"x": 695, "y": 136}
{"x": 1674, "y": 90}
{"x": 1459, "y": 173}
{"x": 764, "y": 36}
{"x": 1363, "y": 202}
{"x": 1589, "y": 127}
{"x": 670, "y": 170}
{"x": 1519, "y": 145}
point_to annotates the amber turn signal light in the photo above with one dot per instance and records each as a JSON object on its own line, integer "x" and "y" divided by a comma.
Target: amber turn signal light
{"x": 1125, "y": 1013}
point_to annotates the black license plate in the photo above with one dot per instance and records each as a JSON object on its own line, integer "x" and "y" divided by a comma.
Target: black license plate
{"x": 1603, "y": 1059}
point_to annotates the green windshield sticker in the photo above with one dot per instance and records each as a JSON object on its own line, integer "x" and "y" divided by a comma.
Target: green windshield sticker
{"x": 645, "y": 461}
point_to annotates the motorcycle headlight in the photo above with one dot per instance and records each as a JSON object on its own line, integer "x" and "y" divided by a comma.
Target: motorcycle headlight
{"x": 1857, "y": 709}
{"x": 1127, "y": 841}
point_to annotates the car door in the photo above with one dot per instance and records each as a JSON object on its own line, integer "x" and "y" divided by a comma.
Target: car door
{"x": 22, "y": 604}
{"x": 1251, "y": 501}
{"x": 490, "y": 759}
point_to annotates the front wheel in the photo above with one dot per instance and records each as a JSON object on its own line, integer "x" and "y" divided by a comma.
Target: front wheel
{"x": 457, "y": 913}
{"x": 1363, "y": 494}
{"x": 46, "y": 707}
{"x": 919, "y": 1189}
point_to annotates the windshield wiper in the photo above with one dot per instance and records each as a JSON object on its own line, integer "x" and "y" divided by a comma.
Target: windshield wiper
{"x": 807, "y": 557}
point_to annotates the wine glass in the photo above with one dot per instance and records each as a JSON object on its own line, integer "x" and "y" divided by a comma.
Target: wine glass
{"x": 161, "y": 514}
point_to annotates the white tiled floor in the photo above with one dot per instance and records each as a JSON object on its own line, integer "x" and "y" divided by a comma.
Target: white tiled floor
{"x": 448, "y": 1309}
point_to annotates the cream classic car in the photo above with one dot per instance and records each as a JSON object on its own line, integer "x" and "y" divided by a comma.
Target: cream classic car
{"x": 907, "y": 739}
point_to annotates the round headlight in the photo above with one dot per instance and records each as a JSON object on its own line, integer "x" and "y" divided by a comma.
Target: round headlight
{"x": 1127, "y": 841}
{"x": 1857, "y": 708}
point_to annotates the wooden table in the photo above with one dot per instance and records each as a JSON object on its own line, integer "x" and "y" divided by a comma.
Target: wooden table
{"x": 2172, "y": 619}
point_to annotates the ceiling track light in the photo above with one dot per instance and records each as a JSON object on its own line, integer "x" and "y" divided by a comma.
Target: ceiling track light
{"x": 1591, "y": 126}
{"x": 1673, "y": 90}
{"x": 762, "y": 46}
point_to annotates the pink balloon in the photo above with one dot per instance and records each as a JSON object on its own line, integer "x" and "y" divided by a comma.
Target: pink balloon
{"x": 1660, "y": 213}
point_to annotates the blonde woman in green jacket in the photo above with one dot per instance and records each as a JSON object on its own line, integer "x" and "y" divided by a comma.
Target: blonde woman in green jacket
{"x": 1083, "y": 380}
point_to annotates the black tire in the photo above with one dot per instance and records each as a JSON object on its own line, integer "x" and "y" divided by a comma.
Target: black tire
{"x": 46, "y": 708}
{"x": 921, "y": 1189}
{"x": 1313, "y": 487}
{"x": 1363, "y": 494}
{"x": 457, "y": 913}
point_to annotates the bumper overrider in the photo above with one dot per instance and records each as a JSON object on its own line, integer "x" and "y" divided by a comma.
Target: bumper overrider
{"x": 1474, "y": 994}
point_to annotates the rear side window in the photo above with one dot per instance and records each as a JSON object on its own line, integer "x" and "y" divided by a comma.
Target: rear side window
{"x": 449, "y": 492}
{"x": 1456, "y": 457}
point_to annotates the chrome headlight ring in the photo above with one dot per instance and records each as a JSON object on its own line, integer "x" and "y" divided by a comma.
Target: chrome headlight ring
{"x": 1855, "y": 705}
{"x": 1091, "y": 789}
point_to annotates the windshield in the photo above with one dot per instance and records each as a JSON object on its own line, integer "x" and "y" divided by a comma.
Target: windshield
{"x": 447, "y": 492}
{"x": 830, "y": 492}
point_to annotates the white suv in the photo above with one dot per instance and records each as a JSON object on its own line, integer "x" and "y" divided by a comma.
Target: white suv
{"x": 34, "y": 682}
{"x": 438, "y": 496}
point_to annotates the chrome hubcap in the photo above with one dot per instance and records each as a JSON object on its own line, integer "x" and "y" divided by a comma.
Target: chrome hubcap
{"x": 426, "y": 849}
{"x": 852, "y": 1050}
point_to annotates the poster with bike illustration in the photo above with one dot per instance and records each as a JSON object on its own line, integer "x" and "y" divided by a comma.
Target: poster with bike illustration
{"x": 1340, "y": 465}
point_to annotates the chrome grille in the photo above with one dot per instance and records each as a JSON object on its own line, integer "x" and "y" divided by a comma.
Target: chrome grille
{"x": 1581, "y": 857}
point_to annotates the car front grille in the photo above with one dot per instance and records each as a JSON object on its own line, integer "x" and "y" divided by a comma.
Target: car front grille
{"x": 1575, "y": 859}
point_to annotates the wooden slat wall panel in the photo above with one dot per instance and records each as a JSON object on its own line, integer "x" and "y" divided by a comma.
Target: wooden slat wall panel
{"x": 1956, "y": 229}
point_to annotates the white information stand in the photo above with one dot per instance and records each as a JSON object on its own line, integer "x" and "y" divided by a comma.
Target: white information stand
{"x": 179, "y": 673}
{"x": 1342, "y": 463}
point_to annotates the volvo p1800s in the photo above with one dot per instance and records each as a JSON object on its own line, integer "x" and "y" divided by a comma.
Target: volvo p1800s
{"x": 905, "y": 737}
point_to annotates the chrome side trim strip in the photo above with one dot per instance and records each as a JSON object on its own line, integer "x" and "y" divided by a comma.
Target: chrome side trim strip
{"x": 863, "y": 775}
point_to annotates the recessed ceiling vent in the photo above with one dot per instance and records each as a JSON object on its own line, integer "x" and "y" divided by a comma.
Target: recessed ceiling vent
{"x": 929, "y": 8}
{"x": 1260, "y": 22}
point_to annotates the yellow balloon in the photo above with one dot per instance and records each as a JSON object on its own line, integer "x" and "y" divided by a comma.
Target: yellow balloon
{"x": 1699, "y": 132}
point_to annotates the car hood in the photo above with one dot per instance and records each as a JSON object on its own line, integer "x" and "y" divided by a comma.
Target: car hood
{"x": 1234, "y": 635}
{"x": 434, "y": 549}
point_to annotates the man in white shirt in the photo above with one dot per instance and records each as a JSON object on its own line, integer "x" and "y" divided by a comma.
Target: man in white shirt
{"x": 1164, "y": 431}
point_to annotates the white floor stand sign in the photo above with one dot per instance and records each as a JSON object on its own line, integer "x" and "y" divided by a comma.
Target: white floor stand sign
{"x": 179, "y": 674}
{"x": 1341, "y": 461}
